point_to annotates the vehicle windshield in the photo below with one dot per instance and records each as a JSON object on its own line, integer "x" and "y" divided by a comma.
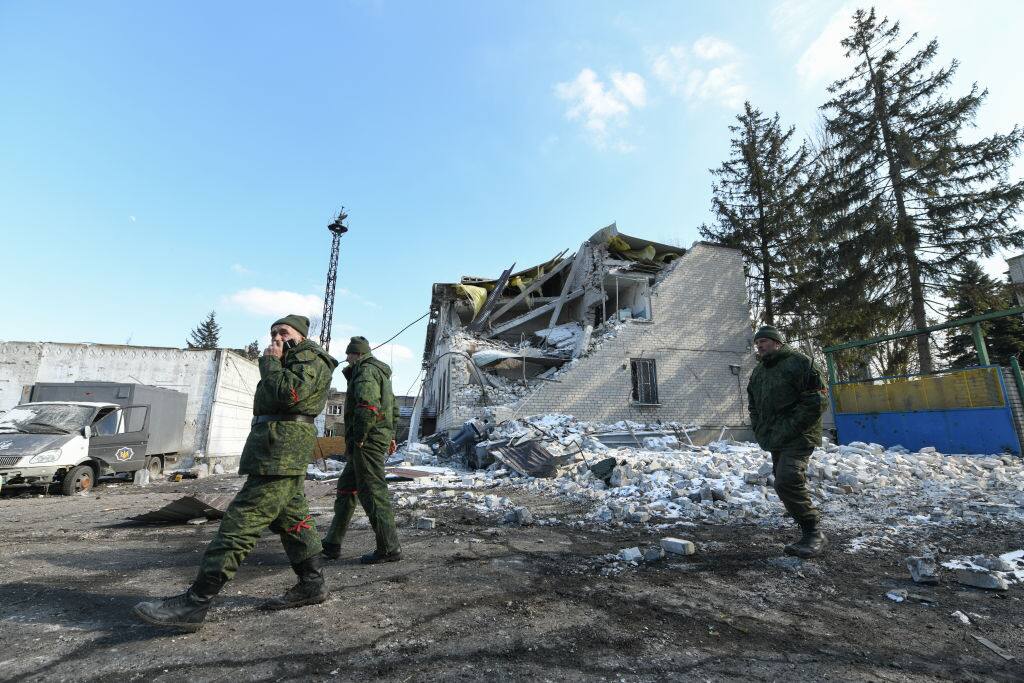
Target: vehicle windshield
{"x": 45, "y": 418}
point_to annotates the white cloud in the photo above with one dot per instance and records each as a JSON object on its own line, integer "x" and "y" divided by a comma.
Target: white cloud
{"x": 349, "y": 294}
{"x": 793, "y": 20}
{"x": 599, "y": 106}
{"x": 631, "y": 86}
{"x": 711, "y": 48}
{"x": 397, "y": 351}
{"x": 131, "y": 218}
{"x": 280, "y": 302}
{"x": 824, "y": 60}
{"x": 707, "y": 71}
{"x": 240, "y": 269}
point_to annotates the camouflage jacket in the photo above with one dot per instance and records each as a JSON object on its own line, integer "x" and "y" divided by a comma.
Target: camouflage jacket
{"x": 786, "y": 397}
{"x": 370, "y": 408}
{"x": 296, "y": 384}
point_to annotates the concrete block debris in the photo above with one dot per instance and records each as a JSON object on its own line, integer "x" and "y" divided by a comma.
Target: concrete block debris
{"x": 426, "y": 523}
{"x": 981, "y": 578}
{"x": 654, "y": 553}
{"x": 990, "y": 572}
{"x": 630, "y": 554}
{"x": 961, "y": 617}
{"x": 521, "y": 516}
{"x": 923, "y": 570}
{"x": 678, "y": 546}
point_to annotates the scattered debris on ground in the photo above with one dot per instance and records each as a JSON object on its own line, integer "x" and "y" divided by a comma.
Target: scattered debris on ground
{"x": 666, "y": 559}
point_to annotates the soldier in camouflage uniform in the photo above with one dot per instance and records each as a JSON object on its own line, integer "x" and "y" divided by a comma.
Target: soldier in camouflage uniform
{"x": 369, "y": 438}
{"x": 786, "y": 400}
{"x": 295, "y": 374}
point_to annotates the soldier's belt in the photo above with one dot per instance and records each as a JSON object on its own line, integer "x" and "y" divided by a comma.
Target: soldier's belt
{"x": 263, "y": 419}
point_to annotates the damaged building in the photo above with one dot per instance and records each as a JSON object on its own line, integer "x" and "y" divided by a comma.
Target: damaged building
{"x": 623, "y": 329}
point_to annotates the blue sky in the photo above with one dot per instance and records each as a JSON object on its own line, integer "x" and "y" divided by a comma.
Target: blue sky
{"x": 161, "y": 159}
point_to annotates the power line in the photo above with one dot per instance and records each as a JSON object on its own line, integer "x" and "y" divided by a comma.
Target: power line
{"x": 401, "y": 331}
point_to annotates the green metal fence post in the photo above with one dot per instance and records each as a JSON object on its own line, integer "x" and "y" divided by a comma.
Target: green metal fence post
{"x": 979, "y": 344}
{"x": 1018, "y": 379}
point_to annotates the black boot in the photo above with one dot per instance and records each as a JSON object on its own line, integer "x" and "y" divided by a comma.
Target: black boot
{"x": 310, "y": 590}
{"x": 331, "y": 551}
{"x": 377, "y": 557}
{"x": 186, "y": 611}
{"x": 811, "y": 544}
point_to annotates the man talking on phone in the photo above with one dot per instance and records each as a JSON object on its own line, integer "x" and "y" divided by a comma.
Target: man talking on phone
{"x": 295, "y": 374}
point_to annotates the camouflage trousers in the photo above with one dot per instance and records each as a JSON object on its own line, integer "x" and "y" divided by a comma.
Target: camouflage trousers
{"x": 790, "y": 469}
{"x": 363, "y": 478}
{"x": 274, "y": 502}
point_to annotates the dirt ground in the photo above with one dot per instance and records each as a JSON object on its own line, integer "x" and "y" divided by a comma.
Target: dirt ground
{"x": 476, "y": 599}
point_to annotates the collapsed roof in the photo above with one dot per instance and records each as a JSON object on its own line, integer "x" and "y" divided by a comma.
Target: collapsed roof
{"x": 541, "y": 316}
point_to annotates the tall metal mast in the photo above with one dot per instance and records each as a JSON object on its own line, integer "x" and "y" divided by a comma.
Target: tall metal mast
{"x": 337, "y": 228}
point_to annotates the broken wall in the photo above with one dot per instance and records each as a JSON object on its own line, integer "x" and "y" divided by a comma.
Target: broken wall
{"x": 701, "y": 325}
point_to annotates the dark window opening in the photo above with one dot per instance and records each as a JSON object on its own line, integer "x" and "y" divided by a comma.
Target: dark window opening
{"x": 106, "y": 422}
{"x": 645, "y": 381}
{"x": 135, "y": 418}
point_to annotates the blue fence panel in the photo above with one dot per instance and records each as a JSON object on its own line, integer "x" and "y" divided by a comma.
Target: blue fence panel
{"x": 967, "y": 430}
{"x": 948, "y": 429}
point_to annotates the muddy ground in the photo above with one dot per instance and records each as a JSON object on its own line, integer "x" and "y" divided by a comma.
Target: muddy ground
{"x": 476, "y": 599}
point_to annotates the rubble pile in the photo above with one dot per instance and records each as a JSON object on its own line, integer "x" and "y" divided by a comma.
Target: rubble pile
{"x": 665, "y": 480}
{"x": 560, "y": 341}
{"x": 986, "y": 571}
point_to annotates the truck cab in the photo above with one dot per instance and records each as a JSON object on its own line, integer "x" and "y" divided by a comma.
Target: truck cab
{"x": 73, "y": 443}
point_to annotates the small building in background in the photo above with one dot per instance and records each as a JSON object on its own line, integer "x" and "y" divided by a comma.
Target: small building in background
{"x": 219, "y": 383}
{"x": 335, "y": 415}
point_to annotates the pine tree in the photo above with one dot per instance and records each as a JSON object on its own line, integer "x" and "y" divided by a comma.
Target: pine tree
{"x": 973, "y": 292}
{"x": 252, "y": 351}
{"x": 757, "y": 198}
{"x": 913, "y": 197}
{"x": 1006, "y": 335}
{"x": 206, "y": 335}
{"x": 834, "y": 296}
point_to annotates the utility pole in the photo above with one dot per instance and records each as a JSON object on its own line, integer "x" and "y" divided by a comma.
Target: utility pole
{"x": 337, "y": 228}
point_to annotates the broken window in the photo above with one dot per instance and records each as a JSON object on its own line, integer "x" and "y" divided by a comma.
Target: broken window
{"x": 630, "y": 297}
{"x": 106, "y": 422}
{"x": 645, "y": 381}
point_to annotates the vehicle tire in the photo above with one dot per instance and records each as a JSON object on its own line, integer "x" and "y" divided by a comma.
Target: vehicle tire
{"x": 155, "y": 465}
{"x": 78, "y": 479}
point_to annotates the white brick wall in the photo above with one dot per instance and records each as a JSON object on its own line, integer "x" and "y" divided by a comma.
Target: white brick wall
{"x": 219, "y": 384}
{"x": 701, "y": 326}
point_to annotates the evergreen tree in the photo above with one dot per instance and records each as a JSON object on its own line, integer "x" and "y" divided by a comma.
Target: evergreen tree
{"x": 1005, "y": 338}
{"x": 206, "y": 335}
{"x": 252, "y": 351}
{"x": 911, "y": 196}
{"x": 758, "y": 198}
{"x": 834, "y": 295}
{"x": 973, "y": 292}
